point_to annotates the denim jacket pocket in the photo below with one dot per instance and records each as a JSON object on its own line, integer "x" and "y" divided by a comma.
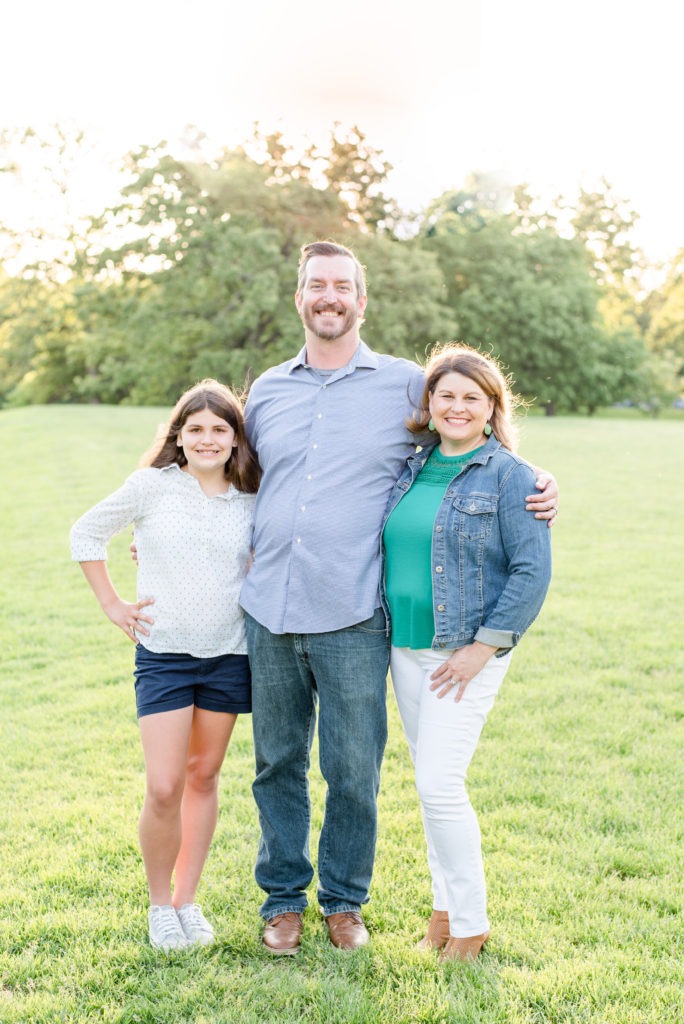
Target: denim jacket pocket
{"x": 474, "y": 514}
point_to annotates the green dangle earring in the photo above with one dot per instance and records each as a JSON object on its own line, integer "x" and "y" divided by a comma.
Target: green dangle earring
{"x": 487, "y": 429}
{"x": 431, "y": 424}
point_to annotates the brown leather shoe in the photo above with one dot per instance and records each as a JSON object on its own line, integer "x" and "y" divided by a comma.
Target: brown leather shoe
{"x": 347, "y": 930}
{"x": 282, "y": 934}
{"x": 463, "y": 949}
{"x": 437, "y": 934}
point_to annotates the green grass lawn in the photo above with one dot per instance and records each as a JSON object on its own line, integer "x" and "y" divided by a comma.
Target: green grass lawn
{"x": 577, "y": 779}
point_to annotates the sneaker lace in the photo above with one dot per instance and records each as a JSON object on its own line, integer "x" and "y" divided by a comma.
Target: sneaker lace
{"x": 193, "y": 916}
{"x": 166, "y": 922}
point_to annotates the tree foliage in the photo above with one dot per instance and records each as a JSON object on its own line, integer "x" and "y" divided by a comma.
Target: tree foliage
{"x": 666, "y": 328}
{"x": 529, "y": 300}
{"x": 192, "y": 273}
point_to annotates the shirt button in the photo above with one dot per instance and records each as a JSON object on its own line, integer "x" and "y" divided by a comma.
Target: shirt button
{"x": 302, "y": 508}
{"x": 319, "y": 416}
{"x": 438, "y": 568}
{"x": 314, "y": 446}
{"x": 309, "y": 477}
{"x": 299, "y": 540}
{"x": 440, "y": 607}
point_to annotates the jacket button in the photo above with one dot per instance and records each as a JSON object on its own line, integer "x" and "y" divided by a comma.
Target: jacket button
{"x": 438, "y": 568}
{"x": 473, "y": 507}
{"x": 438, "y": 529}
{"x": 440, "y": 607}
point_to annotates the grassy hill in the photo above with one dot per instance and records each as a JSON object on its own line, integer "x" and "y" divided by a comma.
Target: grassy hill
{"x": 577, "y": 779}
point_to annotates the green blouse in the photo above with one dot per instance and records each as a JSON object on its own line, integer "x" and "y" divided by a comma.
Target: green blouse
{"x": 408, "y": 551}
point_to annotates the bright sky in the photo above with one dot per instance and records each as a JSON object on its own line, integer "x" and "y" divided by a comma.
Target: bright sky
{"x": 551, "y": 92}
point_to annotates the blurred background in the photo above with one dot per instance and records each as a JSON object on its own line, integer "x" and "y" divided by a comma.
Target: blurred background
{"x": 509, "y": 174}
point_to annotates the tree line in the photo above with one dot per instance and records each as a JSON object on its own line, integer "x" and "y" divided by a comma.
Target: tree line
{"x": 191, "y": 273}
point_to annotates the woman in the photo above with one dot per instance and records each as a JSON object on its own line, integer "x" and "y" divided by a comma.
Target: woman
{"x": 466, "y": 572}
{"x": 192, "y": 508}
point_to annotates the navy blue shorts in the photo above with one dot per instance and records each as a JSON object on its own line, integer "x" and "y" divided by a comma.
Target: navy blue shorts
{"x": 166, "y": 682}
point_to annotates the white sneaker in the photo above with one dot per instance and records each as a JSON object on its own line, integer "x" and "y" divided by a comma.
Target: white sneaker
{"x": 166, "y": 931}
{"x": 195, "y": 925}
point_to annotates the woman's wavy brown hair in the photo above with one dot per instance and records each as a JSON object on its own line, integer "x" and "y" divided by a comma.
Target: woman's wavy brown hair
{"x": 242, "y": 468}
{"x": 486, "y": 373}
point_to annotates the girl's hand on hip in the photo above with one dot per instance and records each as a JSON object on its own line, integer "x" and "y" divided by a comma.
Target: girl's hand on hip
{"x": 129, "y": 618}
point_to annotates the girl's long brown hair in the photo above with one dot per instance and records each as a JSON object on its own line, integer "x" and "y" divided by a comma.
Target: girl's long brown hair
{"x": 242, "y": 469}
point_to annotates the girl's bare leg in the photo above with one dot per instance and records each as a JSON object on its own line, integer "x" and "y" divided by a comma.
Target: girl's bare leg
{"x": 165, "y": 737}
{"x": 209, "y": 738}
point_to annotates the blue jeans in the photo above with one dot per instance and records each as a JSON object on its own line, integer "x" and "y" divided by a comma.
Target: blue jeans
{"x": 344, "y": 674}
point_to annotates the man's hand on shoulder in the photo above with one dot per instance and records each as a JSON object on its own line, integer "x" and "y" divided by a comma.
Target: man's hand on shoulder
{"x": 545, "y": 504}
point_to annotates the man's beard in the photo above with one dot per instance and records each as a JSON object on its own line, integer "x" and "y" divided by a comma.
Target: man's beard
{"x": 329, "y": 330}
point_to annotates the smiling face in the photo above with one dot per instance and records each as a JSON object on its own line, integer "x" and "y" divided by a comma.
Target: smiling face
{"x": 207, "y": 441}
{"x": 459, "y": 409}
{"x": 328, "y": 301}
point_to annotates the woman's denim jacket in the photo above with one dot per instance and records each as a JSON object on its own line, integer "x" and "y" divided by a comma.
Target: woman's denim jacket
{"x": 491, "y": 559}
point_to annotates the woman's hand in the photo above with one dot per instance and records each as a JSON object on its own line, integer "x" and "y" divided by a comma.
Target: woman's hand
{"x": 544, "y": 505}
{"x": 461, "y": 666}
{"x": 128, "y": 617}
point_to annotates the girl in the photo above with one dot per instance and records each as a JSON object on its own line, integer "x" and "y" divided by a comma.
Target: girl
{"x": 192, "y": 509}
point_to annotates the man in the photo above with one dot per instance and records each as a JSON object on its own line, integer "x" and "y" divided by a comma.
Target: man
{"x": 329, "y": 429}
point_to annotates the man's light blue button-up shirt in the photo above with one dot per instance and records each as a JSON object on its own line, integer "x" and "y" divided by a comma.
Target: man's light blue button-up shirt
{"x": 331, "y": 449}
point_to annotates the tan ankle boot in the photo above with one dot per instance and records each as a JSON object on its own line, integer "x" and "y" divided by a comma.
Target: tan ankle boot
{"x": 463, "y": 949}
{"x": 437, "y": 934}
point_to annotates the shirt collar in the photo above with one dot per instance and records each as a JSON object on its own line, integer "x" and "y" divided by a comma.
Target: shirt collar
{"x": 174, "y": 467}
{"x": 363, "y": 356}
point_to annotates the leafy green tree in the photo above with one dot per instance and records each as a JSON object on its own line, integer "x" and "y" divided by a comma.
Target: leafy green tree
{"x": 46, "y": 223}
{"x": 529, "y": 214}
{"x": 604, "y": 223}
{"x": 666, "y": 329}
{"x": 219, "y": 312}
{"x": 407, "y": 311}
{"x": 193, "y": 272}
{"x": 660, "y": 383}
{"x": 209, "y": 263}
{"x": 23, "y": 305}
{"x": 40, "y": 346}
{"x": 617, "y": 370}
{"x": 346, "y": 167}
{"x": 216, "y": 245}
{"x": 530, "y": 300}
{"x": 467, "y": 209}
{"x": 356, "y": 173}
{"x": 17, "y": 346}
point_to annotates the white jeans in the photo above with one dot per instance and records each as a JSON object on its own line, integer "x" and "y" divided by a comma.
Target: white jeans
{"x": 442, "y": 736}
